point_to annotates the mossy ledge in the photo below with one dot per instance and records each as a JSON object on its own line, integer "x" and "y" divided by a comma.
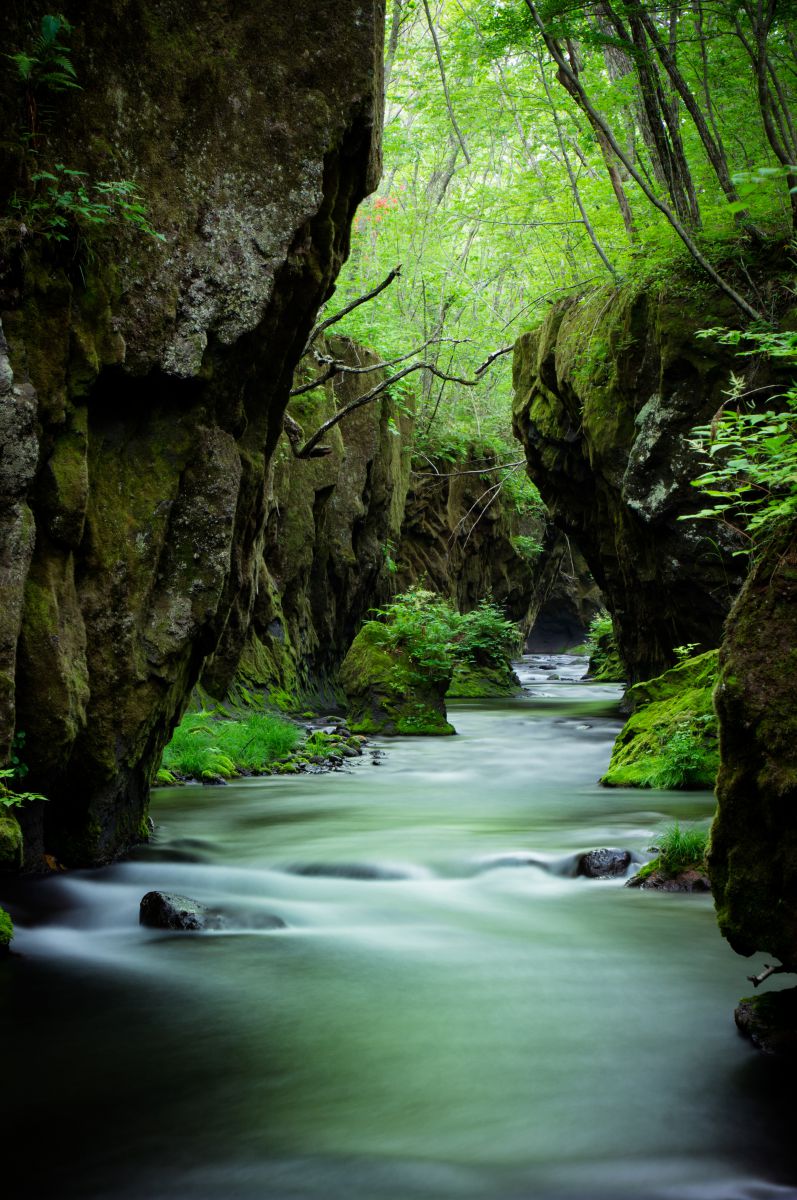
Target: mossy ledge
{"x": 670, "y": 739}
{"x": 144, "y": 399}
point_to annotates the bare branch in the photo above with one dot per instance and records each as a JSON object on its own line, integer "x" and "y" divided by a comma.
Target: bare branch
{"x": 765, "y": 974}
{"x": 521, "y": 462}
{"x": 336, "y": 367}
{"x": 367, "y": 397}
{"x": 490, "y": 359}
{"x": 344, "y": 312}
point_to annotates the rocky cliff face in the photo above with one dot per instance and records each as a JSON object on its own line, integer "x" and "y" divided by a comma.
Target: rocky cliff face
{"x": 753, "y": 856}
{"x": 331, "y": 525}
{"x": 606, "y": 393}
{"x": 465, "y": 540}
{"x": 143, "y": 384}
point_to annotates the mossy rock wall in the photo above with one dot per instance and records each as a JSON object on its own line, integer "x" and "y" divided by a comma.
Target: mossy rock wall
{"x": 675, "y": 704}
{"x": 753, "y": 857}
{"x": 143, "y": 398}
{"x": 385, "y": 692}
{"x": 607, "y": 391}
{"x": 331, "y": 524}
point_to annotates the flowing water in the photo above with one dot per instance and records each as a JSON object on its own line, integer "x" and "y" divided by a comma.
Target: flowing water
{"x": 449, "y": 1012}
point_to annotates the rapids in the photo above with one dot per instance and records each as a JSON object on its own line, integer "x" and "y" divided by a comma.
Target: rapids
{"x": 449, "y": 1014}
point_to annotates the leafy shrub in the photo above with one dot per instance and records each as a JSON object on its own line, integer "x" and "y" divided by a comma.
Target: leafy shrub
{"x": 752, "y": 455}
{"x": 685, "y": 758}
{"x": 605, "y": 664}
{"x": 436, "y": 636}
{"x": 66, "y": 203}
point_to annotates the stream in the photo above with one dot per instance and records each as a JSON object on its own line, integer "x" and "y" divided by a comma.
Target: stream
{"x": 449, "y": 1011}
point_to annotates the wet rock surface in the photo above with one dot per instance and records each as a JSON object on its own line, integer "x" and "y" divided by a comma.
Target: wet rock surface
{"x": 607, "y": 391}
{"x": 660, "y": 881}
{"x": 167, "y": 910}
{"x": 145, "y": 392}
{"x": 770, "y": 1021}
{"x": 604, "y": 863}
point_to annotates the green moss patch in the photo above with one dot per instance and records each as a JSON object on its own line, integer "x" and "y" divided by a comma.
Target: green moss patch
{"x": 6, "y": 931}
{"x": 472, "y": 681}
{"x": 10, "y": 844}
{"x": 670, "y": 740}
{"x": 384, "y": 691}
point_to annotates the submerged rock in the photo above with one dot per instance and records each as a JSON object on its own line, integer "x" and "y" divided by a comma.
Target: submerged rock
{"x": 604, "y": 863}
{"x": 770, "y": 1021}
{"x": 165, "y": 910}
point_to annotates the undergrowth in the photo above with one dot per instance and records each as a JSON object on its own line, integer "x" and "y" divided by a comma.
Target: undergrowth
{"x": 679, "y": 848}
{"x": 206, "y": 747}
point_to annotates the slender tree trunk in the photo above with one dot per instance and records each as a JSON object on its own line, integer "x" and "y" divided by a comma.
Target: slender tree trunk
{"x": 556, "y": 54}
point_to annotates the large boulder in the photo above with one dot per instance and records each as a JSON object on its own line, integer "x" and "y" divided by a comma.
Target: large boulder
{"x": 607, "y": 392}
{"x": 387, "y": 691}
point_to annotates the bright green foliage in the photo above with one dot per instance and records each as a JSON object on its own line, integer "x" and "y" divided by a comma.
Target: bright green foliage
{"x": 752, "y": 476}
{"x": 6, "y": 930}
{"x": 605, "y": 664}
{"x": 206, "y": 747}
{"x": 48, "y": 63}
{"x": 10, "y": 798}
{"x": 487, "y": 225}
{"x": 66, "y": 202}
{"x": 670, "y": 739}
{"x": 679, "y": 848}
{"x": 436, "y": 636}
{"x": 527, "y": 547}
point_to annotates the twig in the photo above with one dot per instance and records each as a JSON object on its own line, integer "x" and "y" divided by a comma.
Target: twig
{"x": 765, "y": 974}
{"x": 492, "y": 357}
{"x": 449, "y": 106}
{"x": 344, "y": 312}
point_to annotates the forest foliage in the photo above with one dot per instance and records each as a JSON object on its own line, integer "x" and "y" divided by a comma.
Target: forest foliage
{"x": 533, "y": 151}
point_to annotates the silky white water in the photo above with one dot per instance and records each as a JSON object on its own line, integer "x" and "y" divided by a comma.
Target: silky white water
{"x": 448, "y": 1012}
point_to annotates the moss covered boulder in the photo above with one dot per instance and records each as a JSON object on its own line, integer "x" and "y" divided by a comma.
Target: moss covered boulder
{"x": 753, "y": 857}
{"x": 770, "y": 1021}
{"x": 10, "y": 844}
{"x": 6, "y": 932}
{"x": 387, "y": 691}
{"x": 475, "y": 681}
{"x": 670, "y": 740}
